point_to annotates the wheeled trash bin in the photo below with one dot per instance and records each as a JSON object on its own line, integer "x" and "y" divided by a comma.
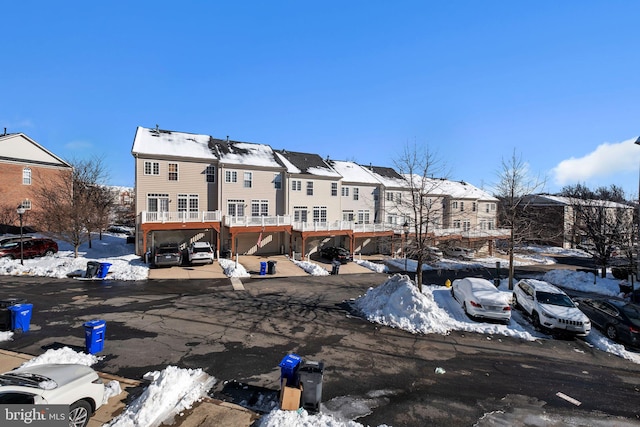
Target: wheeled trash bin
{"x": 21, "y": 316}
{"x": 310, "y": 374}
{"x": 335, "y": 267}
{"x": 92, "y": 269}
{"x": 5, "y": 313}
{"x": 94, "y": 335}
{"x": 271, "y": 267}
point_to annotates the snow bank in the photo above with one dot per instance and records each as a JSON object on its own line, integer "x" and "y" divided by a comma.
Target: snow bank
{"x": 302, "y": 418}
{"x": 312, "y": 268}
{"x": 63, "y": 355}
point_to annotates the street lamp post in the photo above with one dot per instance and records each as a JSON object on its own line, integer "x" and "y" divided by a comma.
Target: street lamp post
{"x": 637, "y": 141}
{"x": 405, "y": 229}
{"x": 21, "y": 211}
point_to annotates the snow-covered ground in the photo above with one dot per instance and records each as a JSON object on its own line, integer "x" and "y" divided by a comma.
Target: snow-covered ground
{"x": 396, "y": 303}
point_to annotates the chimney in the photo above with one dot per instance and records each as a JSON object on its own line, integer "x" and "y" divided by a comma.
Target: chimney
{"x": 5, "y": 132}
{"x": 227, "y": 138}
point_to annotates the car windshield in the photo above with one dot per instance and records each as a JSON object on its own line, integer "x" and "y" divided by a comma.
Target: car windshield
{"x": 554, "y": 299}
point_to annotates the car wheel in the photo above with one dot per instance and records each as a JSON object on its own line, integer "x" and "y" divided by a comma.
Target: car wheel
{"x": 49, "y": 252}
{"x": 516, "y": 303}
{"x": 79, "y": 414}
{"x": 535, "y": 318}
{"x": 452, "y": 294}
{"x": 611, "y": 332}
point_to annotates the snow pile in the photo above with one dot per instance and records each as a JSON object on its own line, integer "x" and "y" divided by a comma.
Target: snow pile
{"x": 311, "y": 268}
{"x": 302, "y": 418}
{"x": 399, "y": 304}
{"x": 232, "y": 268}
{"x": 172, "y": 391}
{"x": 581, "y": 281}
{"x": 62, "y": 355}
{"x": 378, "y": 268}
{"x": 599, "y": 341}
{"x": 6, "y": 336}
{"x": 112, "y": 249}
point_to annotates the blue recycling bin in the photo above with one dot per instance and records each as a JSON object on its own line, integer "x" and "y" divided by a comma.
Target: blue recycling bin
{"x": 103, "y": 270}
{"x": 94, "y": 335}
{"x": 263, "y": 268}
{"x": 289, "y": 369}
{"x": 21, "y": 316}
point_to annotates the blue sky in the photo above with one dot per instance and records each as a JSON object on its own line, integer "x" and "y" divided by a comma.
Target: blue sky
{"x": 558, "y": 82}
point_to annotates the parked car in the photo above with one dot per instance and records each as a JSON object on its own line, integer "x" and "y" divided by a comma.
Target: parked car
{"x": 480, "y": 298}
{"x": 30, "y": 248}
{"x": 120, "y": 229}
{"x": 434, "y": 252}
{"x": 200, "y": 253}
{"x": 336, "y": 253}
{"x": 459, "y": 252}
{"x": 619, "y": 320}
{"x": 167, "y": 255}
{"x": 75, "y": 385}
{"x": 549, "y": 307}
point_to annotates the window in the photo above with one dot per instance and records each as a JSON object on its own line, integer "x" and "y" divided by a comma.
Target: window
{"x": 461, "y": 206}
{"x": 26, "y": 204}
{"x": 230, "y": 176}
{"x": 363, "y": 216}
{"x": 235, "y": 207}
{"x": 248, "y": 179}
{"x": 309, "y": 188}
{"x": 26, "y": 176}
{"x": 474, "y": 206}
{"x": 334, "y": 188}
{"x": 347, "y": 215}
{"x": 259, "y": 207}
{"x": 157, "y": 202}
{"x": 487, "y": 207}
{"x": 398, "y": 198}
{"x": 356, "y": 193}
{"x": 296, "y": 185}
{"x": 300, "y": 213}
{"x": 319, "y": 214}
{"x": 210, "y": 173}
{"x": 151, "y": 168}
{"x": 388, "y": 196}
{"x": 454, "y": 205}
{"x": 277, "y": 181}
{"x": 188, "y": 205}
{"x": 345, "y": 191}
{"x": 173, "y": 171}
{"x": 466, "y": 225}
{"x": 457, "y": 224}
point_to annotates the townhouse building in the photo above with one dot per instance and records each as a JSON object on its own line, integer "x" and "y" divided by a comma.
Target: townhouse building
{"x": 25, "y": 166}
{"x": 247, "y": 198}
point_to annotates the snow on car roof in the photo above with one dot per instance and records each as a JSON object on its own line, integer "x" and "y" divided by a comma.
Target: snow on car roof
{"x": 540, "y": 285}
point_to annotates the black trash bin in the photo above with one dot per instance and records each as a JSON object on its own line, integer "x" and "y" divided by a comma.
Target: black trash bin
{"x": 310, "y": 376}
{"x": 5, "y": 312}
{"x": 92, "y": 269}
{"x": 335, "y": 267}
{"x": 271, "y": 267}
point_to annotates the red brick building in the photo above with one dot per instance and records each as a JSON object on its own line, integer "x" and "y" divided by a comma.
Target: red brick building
{"x": 25, "y": 165}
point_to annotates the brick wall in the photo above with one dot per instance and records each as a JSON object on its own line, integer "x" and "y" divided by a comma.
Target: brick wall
{"x": 13, "y": 192}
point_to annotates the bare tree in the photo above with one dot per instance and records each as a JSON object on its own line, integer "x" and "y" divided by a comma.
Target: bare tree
{"x": 514, "y": 184}
{"x": 68, "y": 204}
{"x": 423, "y": 207}
{"x": 602, "y": 221}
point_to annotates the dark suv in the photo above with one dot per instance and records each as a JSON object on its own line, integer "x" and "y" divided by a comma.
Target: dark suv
{"x": 30, "y": 248}
{"x": 335, "y": 253}
{"x": 167, "y": 254}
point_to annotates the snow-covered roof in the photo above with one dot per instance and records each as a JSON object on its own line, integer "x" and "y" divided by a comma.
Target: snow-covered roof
{"x": 158, "y": 142}
{"x": 458, "y": 190}
{"x": 387, "y": 177}
{"x": 353, "y": 172}
{"x": 245, "y": 153}
{"x": 306, "y": 163}
{"x": 548, "y": 199}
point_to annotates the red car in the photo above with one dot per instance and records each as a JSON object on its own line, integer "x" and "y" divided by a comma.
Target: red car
{"x": 30, "y": 248}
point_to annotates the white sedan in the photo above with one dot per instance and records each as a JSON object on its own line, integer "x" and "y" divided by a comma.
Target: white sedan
{"x": 78, "y": 386}
{"x": 480, "y": 298}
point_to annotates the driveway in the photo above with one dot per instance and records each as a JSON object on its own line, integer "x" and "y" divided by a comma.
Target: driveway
{"x": 379, "y": 374}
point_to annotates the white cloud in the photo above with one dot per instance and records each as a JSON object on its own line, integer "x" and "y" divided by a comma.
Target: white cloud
{"x": 78, "y": 145}
{"x": 606, "y": 160}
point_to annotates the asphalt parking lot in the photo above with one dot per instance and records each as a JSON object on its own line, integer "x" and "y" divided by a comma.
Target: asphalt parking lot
{"x": 242, "y": 336}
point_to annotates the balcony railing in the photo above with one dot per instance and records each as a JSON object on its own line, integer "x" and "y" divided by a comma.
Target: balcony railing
{"x": 264, "y": 221}
{"x": 164, "y": 217}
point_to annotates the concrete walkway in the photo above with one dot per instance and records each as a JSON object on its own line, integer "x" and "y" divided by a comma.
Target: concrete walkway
{"x": 284, "y": 267}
